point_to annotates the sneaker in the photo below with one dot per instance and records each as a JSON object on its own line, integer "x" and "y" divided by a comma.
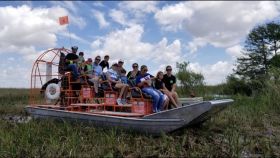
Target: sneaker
{"x": 154, "y": 110}
{"x": 123, "y": 101}
{"x": 119, "y": 101}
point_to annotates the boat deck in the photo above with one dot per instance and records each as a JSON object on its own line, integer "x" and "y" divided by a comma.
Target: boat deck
{"x": 96, "y": 109}
{"x": 123, "y": 114}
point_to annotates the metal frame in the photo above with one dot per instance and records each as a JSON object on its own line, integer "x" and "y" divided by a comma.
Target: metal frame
{"x": 75, "y": 100}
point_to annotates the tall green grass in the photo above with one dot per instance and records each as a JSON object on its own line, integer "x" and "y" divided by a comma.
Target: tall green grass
{"x": 248, "y": 128}
{"x": 12, "y": 101}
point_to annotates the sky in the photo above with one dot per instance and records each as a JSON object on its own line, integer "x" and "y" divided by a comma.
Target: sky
{"x": 208, "y": 34}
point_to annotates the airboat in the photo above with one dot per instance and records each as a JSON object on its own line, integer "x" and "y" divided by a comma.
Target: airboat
{"x": 54, "y": 94}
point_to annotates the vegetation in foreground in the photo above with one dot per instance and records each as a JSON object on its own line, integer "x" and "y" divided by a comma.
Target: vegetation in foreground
{"x": 251, "y": 127}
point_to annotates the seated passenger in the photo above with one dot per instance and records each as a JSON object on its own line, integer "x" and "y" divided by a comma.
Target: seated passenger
{"x": 96, "y": 73}
{"x": 120, "y": 66}
{"x": 161, "y": 86}
{"x": 88, "y": 67}
{"x": 170, "y": 83}
{"x": 123, "y": 76}
{"x": 131, "y": 76}
{"x": 105, "y": 63}
{"x": 87, "y": 70}
{"x": 144, "y": 81}
{"x": 113, "y": 78}
{"x": 81, "y": 61}
{"x": 71, "y": 60}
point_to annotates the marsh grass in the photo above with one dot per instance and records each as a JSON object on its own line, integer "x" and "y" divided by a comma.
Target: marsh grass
{"x": 12, "y": 101}
{"x": 248, "y": 128}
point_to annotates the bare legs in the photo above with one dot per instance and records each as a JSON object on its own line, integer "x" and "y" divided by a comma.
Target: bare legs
{"x": 170, "y": 96}
{"x": 175, "y": 96}
{"x": 95, "y": 81}
{"x": 123, "y": 90}
{"x": 166, "y": 103}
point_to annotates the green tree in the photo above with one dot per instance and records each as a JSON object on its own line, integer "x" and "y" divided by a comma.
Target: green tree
{"x": 275, "y": 61}
{"x": 235, "y": 85}
{"x": 188, "y": 79}
{"x": 262, "y": 43}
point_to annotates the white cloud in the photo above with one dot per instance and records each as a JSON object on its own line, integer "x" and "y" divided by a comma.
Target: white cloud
{"x": 118, "y": 16}
{"x": 73, "y": 11}
{"x": 127, "y": 44}
{"x": 138, "y": 7}
{"x": 98, "y": 4}
{"x": 70, "y": 5}
{"x": 132, "y": 12}
{"x": 99, "y": 16}
{"x": 23, "y": 31}
{"x": 96, "y": 44}
{"x": 195, "y": 44}
{"x": 38, "y": 28}
{"x": 235, "y": 51}
{"x": 172, "y": 17}
{"x": 121, "y": 42}
{"x": 78, "y": 21}
{"x": 219, "y": 23}
{"x": 165, "y": 53}
{"x": 73, "y": 36}
{"x": 13, "y": 75}
{"x": 213, "y": 74}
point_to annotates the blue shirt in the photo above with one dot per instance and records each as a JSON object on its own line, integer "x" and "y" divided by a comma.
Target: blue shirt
{"x": 113, "y": 74}
{"x": 124, "y": 79}
{"x": 97, "y": 69}
{"x": 141, "y": 78}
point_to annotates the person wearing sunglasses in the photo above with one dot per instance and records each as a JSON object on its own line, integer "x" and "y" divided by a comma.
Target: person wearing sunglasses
{"x": 169, "y": 81}
{"x": 144, "y": 81}
{"x": 131, "y": 76}
{"x": 96, "y": 73}
{"x": 159, "y": 85}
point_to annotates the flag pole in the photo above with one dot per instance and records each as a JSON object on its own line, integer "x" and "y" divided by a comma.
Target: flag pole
{"x": 68, "y": 28}
{"x": 64, "y": 20}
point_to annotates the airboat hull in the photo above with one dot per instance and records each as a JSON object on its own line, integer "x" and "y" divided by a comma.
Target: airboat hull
{"x": 162, "y": 122}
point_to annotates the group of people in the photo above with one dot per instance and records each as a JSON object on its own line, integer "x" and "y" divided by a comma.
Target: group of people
{"x": 161, "y": 88}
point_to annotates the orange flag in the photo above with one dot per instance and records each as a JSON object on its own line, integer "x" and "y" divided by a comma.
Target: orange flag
{"x": 63, "y": 20}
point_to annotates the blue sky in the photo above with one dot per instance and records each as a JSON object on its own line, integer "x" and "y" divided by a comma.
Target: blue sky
{"x": 208, "y": 34}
